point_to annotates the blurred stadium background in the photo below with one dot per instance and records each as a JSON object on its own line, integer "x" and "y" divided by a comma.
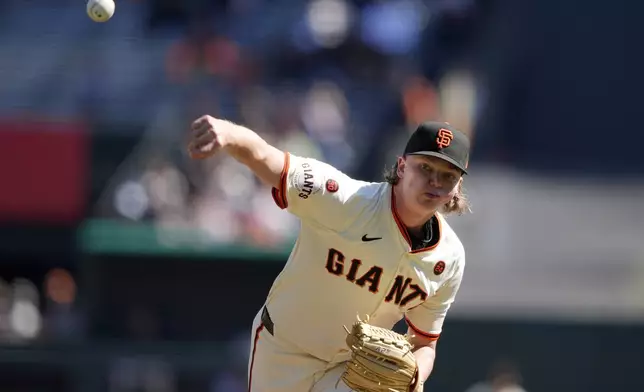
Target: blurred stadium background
{"x": 126, "y": 267}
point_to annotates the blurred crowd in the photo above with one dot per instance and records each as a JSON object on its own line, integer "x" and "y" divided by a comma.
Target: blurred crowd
{"x": 339, "y": 80}
{"x": 44, "y": 311}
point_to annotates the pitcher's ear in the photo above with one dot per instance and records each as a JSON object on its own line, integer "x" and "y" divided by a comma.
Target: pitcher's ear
{"x": 400, "y": 166}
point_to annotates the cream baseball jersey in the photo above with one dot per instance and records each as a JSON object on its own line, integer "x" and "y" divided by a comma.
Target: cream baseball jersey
{"x": 354, "y": 257}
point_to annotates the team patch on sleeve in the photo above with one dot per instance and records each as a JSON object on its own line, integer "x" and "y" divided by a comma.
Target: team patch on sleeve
{"x": 307, "y": 179}
{"x": 332, "y": 185}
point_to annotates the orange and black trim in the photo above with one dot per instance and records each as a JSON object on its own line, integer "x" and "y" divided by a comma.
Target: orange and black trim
{"x": 252, "y": 359}
{"x": 279, "y": 195}
{"x": 430, "y": 336}
{"x": 405, "y": 233}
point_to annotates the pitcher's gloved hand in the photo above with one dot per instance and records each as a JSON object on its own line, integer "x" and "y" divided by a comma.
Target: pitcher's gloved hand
{"x": 381, "y": 360}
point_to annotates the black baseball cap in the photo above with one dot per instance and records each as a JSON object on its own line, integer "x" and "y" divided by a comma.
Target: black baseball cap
{"x": 441, "y": 140}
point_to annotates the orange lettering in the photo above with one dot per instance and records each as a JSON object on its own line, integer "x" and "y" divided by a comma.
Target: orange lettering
{"x": 444, "y": 138}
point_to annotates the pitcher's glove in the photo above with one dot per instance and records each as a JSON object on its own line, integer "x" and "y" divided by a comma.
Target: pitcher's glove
{"x": 381, "y": 360}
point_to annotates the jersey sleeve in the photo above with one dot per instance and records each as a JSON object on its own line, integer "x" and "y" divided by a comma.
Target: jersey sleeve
{"x": 427, "y": 319}
{"x": 314, "y": 190}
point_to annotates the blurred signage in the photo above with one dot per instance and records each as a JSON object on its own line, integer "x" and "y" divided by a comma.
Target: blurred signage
{"x": 115, "y": 237}
{"x": 43, "y": 171}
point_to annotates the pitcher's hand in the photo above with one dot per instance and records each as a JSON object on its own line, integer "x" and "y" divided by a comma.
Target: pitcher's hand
{"x": 208, "y": 137}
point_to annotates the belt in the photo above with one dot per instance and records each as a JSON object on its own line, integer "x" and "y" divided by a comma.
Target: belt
{"x": 268, "y": 323}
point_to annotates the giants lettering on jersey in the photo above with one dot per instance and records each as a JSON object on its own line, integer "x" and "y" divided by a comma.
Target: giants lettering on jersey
{"x": 401, "y": 293}
{"x": 306, "y": 181}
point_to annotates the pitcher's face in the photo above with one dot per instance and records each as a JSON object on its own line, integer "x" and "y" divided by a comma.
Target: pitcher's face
{"x": 427, "y": 182}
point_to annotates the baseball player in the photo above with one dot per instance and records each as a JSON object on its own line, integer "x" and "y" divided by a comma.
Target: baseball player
{"x": 376, "y": 249}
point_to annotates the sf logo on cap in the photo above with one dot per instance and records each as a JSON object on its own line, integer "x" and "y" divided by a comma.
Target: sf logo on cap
{"x": 444, "y": 138}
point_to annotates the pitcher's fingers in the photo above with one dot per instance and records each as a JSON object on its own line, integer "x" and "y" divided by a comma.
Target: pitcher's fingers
{"x": 198, "y": 123}
{"x": 197, "y": 153}
{"x": 205, "y": 144}
{"x": 203, "y": 138}
{"x": 201, "y": 129}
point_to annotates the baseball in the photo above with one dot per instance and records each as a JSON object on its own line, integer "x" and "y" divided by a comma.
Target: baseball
{"x": 100, "y": 10}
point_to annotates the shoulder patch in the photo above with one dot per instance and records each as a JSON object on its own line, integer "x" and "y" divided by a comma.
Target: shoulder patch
{"x": 439, "y": 268}
{"x": 307, "y": 179}
{"x": 332, "y": 186}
